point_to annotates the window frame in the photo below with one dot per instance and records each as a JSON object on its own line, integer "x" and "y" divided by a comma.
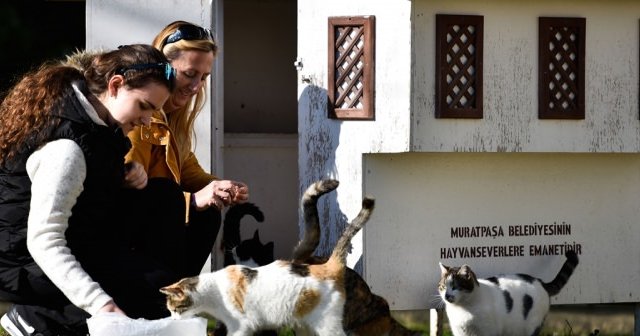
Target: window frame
{"x": 444, "y": 89}
{"x": 366, "y": 77}
{"x": 545, "y": 75}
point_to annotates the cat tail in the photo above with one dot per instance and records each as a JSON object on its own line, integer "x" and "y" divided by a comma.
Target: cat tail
{"x": 309, "y": 203}
{"x": 231, "y": 226}
{"x": 342, "y": 246}
{"x": 561, "y": 279}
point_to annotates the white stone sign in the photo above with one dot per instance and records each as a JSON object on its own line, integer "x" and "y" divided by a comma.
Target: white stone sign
{"x": 503, "y": 213}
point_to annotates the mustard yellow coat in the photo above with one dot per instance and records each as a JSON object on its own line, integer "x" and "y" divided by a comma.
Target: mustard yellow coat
{"x": 156, "y": 149}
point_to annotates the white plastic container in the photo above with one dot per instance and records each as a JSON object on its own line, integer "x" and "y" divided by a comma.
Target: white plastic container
{"x": 112, "y": 324}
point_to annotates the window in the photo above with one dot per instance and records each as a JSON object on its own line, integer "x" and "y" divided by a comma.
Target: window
{"x": 561, "y": 68}
{"x": 351, "y": 67}
{"x": 459, "y": 66}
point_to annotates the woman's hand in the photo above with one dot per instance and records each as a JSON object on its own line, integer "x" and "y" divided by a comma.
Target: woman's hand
{"x": 135, "y": 176}
{"x": 111, "y": 307}
{"x": 221, "y": 193}
{"x": 238, "y": 193}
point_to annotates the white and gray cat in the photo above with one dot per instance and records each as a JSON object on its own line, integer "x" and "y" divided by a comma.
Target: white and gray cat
{"x": 309, "y": 298}
{"x": 505, "y": 305}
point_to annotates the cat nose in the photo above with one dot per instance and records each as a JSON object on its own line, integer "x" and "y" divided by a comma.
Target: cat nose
{"x": 449, "y": 298}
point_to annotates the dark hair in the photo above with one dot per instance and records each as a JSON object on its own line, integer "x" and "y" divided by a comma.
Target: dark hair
{"x": 27, "y": 108}
{"x": 124, "y": 61}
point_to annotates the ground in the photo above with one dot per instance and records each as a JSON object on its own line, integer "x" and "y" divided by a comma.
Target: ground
{"x": 614, "y": 319}
{"x": 609, "y": 320}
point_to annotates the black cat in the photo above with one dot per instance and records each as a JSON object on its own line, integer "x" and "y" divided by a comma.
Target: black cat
{"x": 250, "y": 252}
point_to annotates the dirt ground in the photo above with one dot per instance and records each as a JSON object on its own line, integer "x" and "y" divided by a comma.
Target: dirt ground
{"x": 612, "y": 319}
{"x": 609, "y": 320}
{"x": 582, "y": 320}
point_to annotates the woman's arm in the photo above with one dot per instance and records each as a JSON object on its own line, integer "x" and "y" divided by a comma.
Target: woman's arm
{"x": 207, "y": 190}
{"x": 192, "y": 176}
{"x": 57, "y": 172}
{"x": 137, "y": 161}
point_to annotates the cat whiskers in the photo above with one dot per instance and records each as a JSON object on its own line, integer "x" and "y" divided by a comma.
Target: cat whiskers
{"x": 437, "y": 302}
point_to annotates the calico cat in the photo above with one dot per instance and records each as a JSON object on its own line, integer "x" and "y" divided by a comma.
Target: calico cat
{"x": 365, "y": 313}
{"x": 250, "y": 252}
{"x": 308, "y": 298}
{"x": 504, "y": 305}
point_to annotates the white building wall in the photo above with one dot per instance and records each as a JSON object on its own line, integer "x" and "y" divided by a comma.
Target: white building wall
{"x": 559, "y": 171}
{"x": 510, "y": 122}
{"x": 332, "y": 148}
{"x": 591, "y": 198}
{"x": 555, "y": 171}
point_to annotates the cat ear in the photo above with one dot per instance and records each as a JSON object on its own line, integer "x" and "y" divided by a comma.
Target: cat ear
{"x": 172, "y": 291}
{"x": 466, "y": 272}
{"x": 443, "y": 269}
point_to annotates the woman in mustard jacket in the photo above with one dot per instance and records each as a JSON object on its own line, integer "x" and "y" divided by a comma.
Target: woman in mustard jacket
{"x": 176, "y": 217}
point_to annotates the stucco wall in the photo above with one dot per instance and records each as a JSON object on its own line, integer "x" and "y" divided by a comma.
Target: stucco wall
{"x": 334, "y": 148}
{"x": 552, "y": 180}
{"x": 510, "y": 122}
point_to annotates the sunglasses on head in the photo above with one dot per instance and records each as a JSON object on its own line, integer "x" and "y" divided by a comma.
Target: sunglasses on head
{"x": 169, "y": 71}
{"x": 188, "y": 32}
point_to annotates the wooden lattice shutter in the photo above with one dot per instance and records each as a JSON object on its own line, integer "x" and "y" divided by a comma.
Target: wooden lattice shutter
{"x": 561, "y": 68}
{"x": 459, "y": 48}
{"x": 351, "y": 67}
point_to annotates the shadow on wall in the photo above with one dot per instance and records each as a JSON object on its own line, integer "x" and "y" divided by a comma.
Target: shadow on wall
{"x": 319, "y": 137}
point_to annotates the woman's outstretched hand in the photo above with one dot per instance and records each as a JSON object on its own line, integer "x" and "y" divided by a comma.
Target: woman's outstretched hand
{"x": 221, "y": 193}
